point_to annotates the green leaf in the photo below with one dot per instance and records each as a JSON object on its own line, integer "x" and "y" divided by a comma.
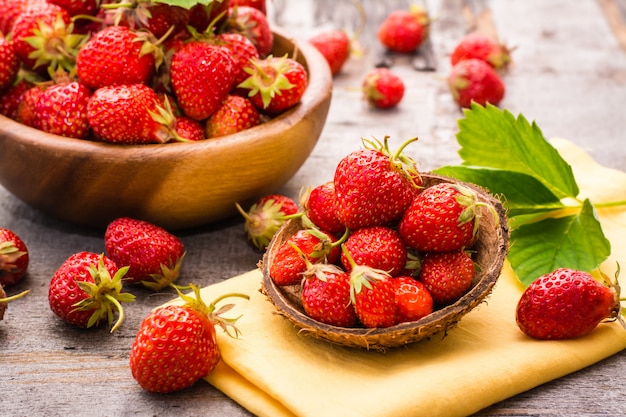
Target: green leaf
{"x": 186, "y": 4}
{"x": 491, "y": 137}
{"x": 575, "y": 241}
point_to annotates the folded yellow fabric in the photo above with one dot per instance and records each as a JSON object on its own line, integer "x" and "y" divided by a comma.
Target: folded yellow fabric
{"x": 272, "y": 370}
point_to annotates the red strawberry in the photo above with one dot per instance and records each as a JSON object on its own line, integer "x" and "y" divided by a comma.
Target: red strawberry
{"x": 566, "y": 304}
{"x": 116, "y": 55}
{"x": 83, "y": 288}
{"x": 378, "y": 247}
{"x": 257, "y": 4}
{"x": 447, "y": 275}
{"x": 126, "y": 114}
{"x": 253, "y": 24}
{"x": 320, "y": 207}
{"x": 266, "y": 216}
{"x": 11, "y": 98}
{"x": 176, "y": 345}
{"x": 9, "y": 63}
{"x": 62, "y": 109}
{"x": 13, "y": 257}
{"x": 242, "y": 49}
{"x": 4, "y": 300}
{"x": 188, "y": 129}
{"x": 443, "y": 218}
{"x": 326, "y": 295}
{"x": 202, "y": 75}
{"x": 479, "y": 46}
{"x": 334, "y": 45}
{"x": 26, "y": 108}
{"x": 157, "y": 18}
{"x": 11, "y": 9}
{"x": 78, "y": 7}
{"x": 154, "y": 255}
{"x": 275, "y": 84}
{"x": 234, "y": 115}
{"x": 404, "y": 30}
{"x": 382, "y": 88}
{"x": 374, "y": 187}
{"x": 475, "y": 80}
{"x": 413, "y": 300}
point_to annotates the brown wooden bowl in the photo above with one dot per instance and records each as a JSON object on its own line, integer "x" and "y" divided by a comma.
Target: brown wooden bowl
{"x": 489, "y": 253}
{"x": 174, "y": 185}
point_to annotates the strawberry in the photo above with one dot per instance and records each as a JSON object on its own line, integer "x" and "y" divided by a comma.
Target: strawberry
{"x": 202, "y": 15}
{"x": 188, "y": 129}
{"x": 447, "y": 275}
{"x": 126, "y": 114}
{"x": 10, "y": 10}
{"x": 78, "y": 7}
{"x": 153, "y": 255}
{"x": 412, "y": 298}
{"x": 378, "y": 247}
{"x": 475, "y": 80}
{"x": 565, "y": 304}
{"x": 266, "y": 216}
{"x": 257, "y": 4}
{"x": 117, "y": 55}
{"x": 275, "y": 84}
{"x": 234, "y": 115}
{"x": 62, "y": 109}
{"x": 11, "y": 98}
{"x": 479, "y": 46}
{"x": 404, "y": 30}
{"x": 374, "y": 187}
{"x": 25, "y": 113}
{"x": 176, "y": 345}
{"x": 85, "y": 290}
{"x": 202, "y": 75}
{"x": 159, "y": 19}
{"x": 443, "y": 218}
{"x": 13, "y": 258}
{"x": 334, "y": 45}
{"x": 4, "y": 300}
{"x": 326, "y": 295}
{"x": 253, "y": 24}
{"x": 320, "y": 206}
{"x": 9, "y": 63}
{"x": 242, "y": 49}
{"x": 382, "y": 88}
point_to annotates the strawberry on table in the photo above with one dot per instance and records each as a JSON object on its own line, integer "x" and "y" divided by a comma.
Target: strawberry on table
{"x": 334, "y": 45}
{"x": 266, "y": 216}
{"x": 479, "y": 46}
{"x": 14, "y": 257}
{"x": 474, "y": 80}
{"x": 382, "y": 88}
{"x": 413, "y": 300}
{"x": 404, "y": 30}
{"x": 379, "y": 247}
{"x": 447, "y": 275}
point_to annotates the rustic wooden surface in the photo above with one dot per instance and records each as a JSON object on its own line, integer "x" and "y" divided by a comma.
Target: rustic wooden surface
{"x": 569, "y": 76}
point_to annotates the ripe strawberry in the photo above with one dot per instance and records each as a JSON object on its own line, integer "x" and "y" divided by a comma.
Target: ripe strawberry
{"x": 382, "y": 88}
{"x": 374, "y": 187}
{"x": 159, "y": 19}
{"x": 266, "y": 216}
{"x": 10, "y": 10}
{"x": 404, "y": 30}
{"x": 242, "y": 49}
{"x": 85, "y": 290}
{"x": 117, "y": 55}
{"x": 378, "y": 247}
{"x": 14, "y": 257}
{"x": 326, "y": 295}
{"x": 126, "y": 114}
{"x": 78, "y": 7}
{"x": 9, "y": 63}
{"x": 334, "y": 45}
{"x": 479, "y": 46}
{"x": 202, "y": 75}
{"x": 320, "y": 206}
{"x": 26, "y": 108}
{"x": 62, "y": 109}
{"x": 443, "y": 218}
{"x": 447, "y": 275}
{"x": 4, "y": 300}
{"x": 154, "y": 255}
{"x": 201, "y": 15}
{"x": 257, "y": 4}
{"x": 12, "y": 97}
{"x": 176, "y": 345}
{"x": 253, "y": 24}
{"x": 188, "y": 129}
{"x": 475, "y": 80}
{"x": 235, "y": 114}
{"x": 275, "y": 84}
{"x": 412, "y": 298}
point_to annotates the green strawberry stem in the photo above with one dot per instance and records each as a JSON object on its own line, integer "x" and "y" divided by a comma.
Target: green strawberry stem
{"x": 361, "y": 275}
{"x": 14, "y": 297}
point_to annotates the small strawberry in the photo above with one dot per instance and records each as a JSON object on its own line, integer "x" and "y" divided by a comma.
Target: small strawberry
{"x": 378, "y": 247}
{"x": 443, "y": 218}
{"x": 11, "y": 98}
{"x": 275, "y": 84}
{"x": 25, "y": 113}
{"x": 235, "y": 114}
{"x": 160, "y": 19}
{"x": 253, "y": 24}
{"x": 62, "y": 109}
{"x": 14, "y": 257}
{"x": 475, "y": 80}
{"x": 320, "y": 206}
{"x": 154, "y": 255}
{"x": 78, "y": 7}
{"x": 412, "y": 298}
{"x": 447, "y": 275}
{"x": 257, "y": 4}
{"x": 86, "y": 289}
{"x": 266, "y": 216}
{"x": 242, "y": 49}
{"x": 176, "y": 345}
{"x": 374, "y": 187}
{"x": 479, "y": 46}
{"x": 335, "y": 46}
{"x": 404, "y": 30}
{"x": 9, "y": 63}
{"x": 4, "y": 300}
{"x": 188, "y": 129}
{"x": 382, "y": 88}
{"x": 326, "y": 295}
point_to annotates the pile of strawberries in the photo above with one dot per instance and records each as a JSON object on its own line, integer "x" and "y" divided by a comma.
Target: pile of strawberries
{"x": 140, "y": 71}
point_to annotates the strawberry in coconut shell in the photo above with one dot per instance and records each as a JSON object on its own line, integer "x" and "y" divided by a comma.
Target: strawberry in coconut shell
{"x": 176, "y": 345}
{"x": 14, "y": 257}
{"x": 447, "y": 275}
{"x": 379, "y": 247}
{"x": 266, "y": 216}
{"x": 412, "y": 298}
{"x": 320, "y": 206}
{"x": 86, "y": 290}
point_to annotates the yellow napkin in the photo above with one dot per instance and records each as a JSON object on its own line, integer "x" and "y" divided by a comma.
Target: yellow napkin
{"x": 272, "y": 370}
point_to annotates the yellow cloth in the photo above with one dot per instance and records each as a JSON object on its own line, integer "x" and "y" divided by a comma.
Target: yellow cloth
{"x": 272, "y": 370}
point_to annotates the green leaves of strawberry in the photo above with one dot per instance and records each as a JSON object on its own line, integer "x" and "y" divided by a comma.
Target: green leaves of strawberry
{"x": 551, "y": 226}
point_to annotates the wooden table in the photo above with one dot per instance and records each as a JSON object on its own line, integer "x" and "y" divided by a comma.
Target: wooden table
{"x": 569, "y": 76}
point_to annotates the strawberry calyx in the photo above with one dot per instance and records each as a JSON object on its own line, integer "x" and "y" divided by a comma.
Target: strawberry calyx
{"x": 9, "y": 255}
{"x": 398, "y": 159}
{"x": 262, "y": 222}
{"x": 169, "y": 274}
{"x": 104, "y": 295}
{"x": 618, "y": 311}
{"x": 4, "y": 300}
{"x": 362, "y": 275}
{"x": 267, "y": 78}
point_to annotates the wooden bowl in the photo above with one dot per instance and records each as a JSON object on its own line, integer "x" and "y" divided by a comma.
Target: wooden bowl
{"x": 489, "y": 253}
{"x": 174, "y": 185}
